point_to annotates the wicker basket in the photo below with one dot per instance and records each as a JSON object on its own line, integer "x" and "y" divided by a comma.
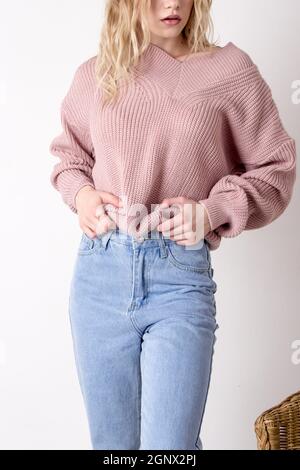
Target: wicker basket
{"x": 279, "y": 427}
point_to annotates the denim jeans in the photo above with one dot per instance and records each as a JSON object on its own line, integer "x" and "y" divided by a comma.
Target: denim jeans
{"x": 143, "y": 321}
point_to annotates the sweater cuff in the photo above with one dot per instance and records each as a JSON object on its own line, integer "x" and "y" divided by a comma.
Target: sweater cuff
{"x": 69, "y": 183}
{"x": 75, "y": 189}
{"x": 228, "y": 213}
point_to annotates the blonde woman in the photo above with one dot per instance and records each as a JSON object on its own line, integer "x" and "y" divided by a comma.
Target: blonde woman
{"x": 169, "y": 143}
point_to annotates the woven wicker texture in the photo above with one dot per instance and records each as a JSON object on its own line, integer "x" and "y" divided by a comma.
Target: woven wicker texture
{"x": 278, "y": 428}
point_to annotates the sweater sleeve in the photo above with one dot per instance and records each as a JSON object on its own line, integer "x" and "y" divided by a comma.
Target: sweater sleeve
{"x": 73, "y": 145}
{"x": 260, "y": 186}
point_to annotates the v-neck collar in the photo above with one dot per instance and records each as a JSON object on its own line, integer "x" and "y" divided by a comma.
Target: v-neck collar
{"x": 196, "y": 72}
{"x": 195, "y": 55}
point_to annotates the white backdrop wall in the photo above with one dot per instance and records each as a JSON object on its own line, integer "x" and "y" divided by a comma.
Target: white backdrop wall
{"x": 256, "y": 361}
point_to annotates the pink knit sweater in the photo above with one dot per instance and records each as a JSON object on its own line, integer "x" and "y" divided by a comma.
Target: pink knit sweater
{"x": 206, "y": 128}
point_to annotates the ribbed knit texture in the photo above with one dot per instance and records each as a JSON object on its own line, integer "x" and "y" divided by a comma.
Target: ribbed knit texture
{"x": 206, "y": 128}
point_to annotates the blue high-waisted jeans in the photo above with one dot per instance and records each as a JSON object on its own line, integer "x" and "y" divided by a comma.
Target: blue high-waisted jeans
{"x": 143, "y": 321}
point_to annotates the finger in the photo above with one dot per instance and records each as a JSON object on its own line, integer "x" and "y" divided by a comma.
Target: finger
{"x": 89, "y": 231}
{"x": 168, "y": 213}
{"x": 92, "y": 218}
{"x": 182, "y": 236}
{"x": 108, "y": 197}
{"x": 105, "y": 224}
{"x": 187, "y": 241}
{"x": 169, "y": 224}
{"x": 99, "y": 210}
{"x": 171, "y": 200}
{"x": 92, "y": 221}
{"x": 182, "y": 242}
{"x": 180, "y": 231}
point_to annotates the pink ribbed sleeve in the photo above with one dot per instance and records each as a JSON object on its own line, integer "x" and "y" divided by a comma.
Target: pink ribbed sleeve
{"x": 73, "y": 145}
{"x": 260, "y": 186}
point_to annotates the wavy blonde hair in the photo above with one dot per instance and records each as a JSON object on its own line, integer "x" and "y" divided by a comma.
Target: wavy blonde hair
{"x": 125, "y": 35}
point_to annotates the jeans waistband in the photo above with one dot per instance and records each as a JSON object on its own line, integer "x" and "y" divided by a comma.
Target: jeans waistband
{"x": 152, "y": 238}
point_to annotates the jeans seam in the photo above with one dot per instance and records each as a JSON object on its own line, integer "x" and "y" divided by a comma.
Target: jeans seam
{"x": 135, "y": 326}
{"x": 187, "y": 267}
{"x": 206, "y": 394}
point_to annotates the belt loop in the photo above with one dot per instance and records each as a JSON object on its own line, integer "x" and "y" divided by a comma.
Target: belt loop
{"x": 162, "y": 245}
{"x": 104, "y": 238}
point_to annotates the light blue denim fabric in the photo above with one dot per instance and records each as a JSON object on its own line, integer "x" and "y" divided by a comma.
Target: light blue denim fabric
{"x": 143, "y": 321}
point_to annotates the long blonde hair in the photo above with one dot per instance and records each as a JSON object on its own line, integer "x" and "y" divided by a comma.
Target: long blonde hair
{"x": 125, "y": 35}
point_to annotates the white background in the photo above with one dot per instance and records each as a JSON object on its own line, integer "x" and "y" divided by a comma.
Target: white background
{"x": 258, "y": 272}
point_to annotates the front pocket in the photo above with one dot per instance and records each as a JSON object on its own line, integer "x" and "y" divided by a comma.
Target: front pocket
{"x": 189, "y": 258}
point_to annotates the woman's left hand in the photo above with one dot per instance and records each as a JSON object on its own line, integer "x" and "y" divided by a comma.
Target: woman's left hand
{"x": 190, "y": 225}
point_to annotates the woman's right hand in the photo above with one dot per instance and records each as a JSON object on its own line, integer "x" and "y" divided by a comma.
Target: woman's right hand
{"x": 89, "y": 205}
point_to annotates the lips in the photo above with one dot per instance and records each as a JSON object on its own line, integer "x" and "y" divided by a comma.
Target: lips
{"x": 171, "y": 20}
{"x": 172, "y": 17}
